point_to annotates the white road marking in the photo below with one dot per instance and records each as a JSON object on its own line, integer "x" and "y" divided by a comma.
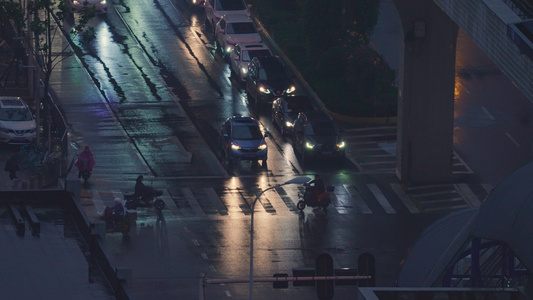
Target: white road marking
{"x": 360, "y": 204}
{"x": 382, "y": 200}
{"x": 486, "y": 111}
{"x": 405, "y": 199}
{"x": 512, "y": 139}
{"x": 193, "y": 202}
{"x": 467, "y": 194}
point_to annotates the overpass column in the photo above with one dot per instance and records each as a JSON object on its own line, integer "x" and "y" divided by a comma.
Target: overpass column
{"x": 425, "y": 93}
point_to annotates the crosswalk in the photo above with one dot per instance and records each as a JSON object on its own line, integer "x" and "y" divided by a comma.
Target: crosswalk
{"x": 367, "y": 198}
{"x": 374, "y": 150}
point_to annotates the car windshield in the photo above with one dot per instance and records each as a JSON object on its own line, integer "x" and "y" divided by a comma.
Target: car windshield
{"x": 273, "y": 73}
{"x": 248, "y": 55}
{"x": 241, "y": 28}
{"x": 15, "y": 114}
{"x": 321, "y": 129}
{"x": 246, "y": 133}
{"x": 230, "y": 5}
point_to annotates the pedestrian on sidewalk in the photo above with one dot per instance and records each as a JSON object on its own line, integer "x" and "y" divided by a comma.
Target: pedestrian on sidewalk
{"x": 85, "y": 161}
{"x": 12, "y": 166}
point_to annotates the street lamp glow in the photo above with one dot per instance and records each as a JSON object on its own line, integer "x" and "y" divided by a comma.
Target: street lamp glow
{"x": 296, "y": 180}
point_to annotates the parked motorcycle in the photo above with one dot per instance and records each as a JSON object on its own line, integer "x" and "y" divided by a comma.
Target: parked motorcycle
{"x": 133, "y": 201}
{"x": 114, "y": 224}
{"x": 308, "y": 198}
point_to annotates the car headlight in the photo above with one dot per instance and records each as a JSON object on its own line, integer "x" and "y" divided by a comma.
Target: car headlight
{"x": 264, "y": 90}
{"x": 244, "y": 70}
{"x": 262, "y": 146}
{"x": 288, "y": 124}
{"x": 309, "y": 145}
{"x": 235, "y": 147}
{"x": 76, "y": 2}
{"x": 103, "y": 2}
{"x": 341, "y": 144}
{"x": 290, "y": 90}
{"x": 229, "y": 49}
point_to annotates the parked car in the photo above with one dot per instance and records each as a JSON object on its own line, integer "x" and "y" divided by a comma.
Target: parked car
{"x": 17, "y": 123}
{"x": 242, "y": 139}
{"x": 215, "y": 9}
{"x": 316, "y": 135}
{"x": 268, "y": 79}
{"x": 241, "y": 56}
{"x": 235, "y": 29}
{"x": 285, "y": 111}
{"x": 99, "y": 5}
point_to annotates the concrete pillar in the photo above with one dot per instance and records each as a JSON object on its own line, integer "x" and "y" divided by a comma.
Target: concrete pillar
{"x": 426, "y": 94}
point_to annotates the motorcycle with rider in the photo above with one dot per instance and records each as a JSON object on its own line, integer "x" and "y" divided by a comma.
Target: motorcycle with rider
{"x": 316, "y": 194}
{"x": 144, "y": 196}
{"x": 117, "y": 219}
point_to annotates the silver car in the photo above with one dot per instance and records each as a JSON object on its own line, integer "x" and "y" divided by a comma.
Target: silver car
{"x": 17, "y": 124}
{"x": 241, "y": 56}
{"x": 235, "y": 29}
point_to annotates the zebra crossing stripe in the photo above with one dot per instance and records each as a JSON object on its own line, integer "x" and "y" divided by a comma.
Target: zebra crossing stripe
{"x": 213, "y": 197}
{"x": 404, "y": 198}
{"x": 488, "y": 187}
{"x": 360, "y": 204}
{"x": 467, "y": 194}
{"x": 193, "y": 202}
{"x": 382, "y": 200}
{"x": 277, "y": 202}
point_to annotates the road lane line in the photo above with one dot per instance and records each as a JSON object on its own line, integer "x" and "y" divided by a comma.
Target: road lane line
{"x": 382, "y": 200}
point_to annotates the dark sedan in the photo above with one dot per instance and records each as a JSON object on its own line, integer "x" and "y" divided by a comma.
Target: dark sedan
{"x": 285, "y": 110}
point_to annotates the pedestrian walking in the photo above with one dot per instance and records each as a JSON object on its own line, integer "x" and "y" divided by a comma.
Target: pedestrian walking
{"x": 12, "y": 167}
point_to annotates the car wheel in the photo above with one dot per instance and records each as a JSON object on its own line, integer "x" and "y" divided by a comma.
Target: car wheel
{"x": 300, "y": 205}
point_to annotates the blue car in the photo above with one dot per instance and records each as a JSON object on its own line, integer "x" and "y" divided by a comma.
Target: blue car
{"x": 242, "y": 139}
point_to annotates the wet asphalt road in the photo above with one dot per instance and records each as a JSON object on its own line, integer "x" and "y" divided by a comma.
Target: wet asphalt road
{"x": 144, "y": 72}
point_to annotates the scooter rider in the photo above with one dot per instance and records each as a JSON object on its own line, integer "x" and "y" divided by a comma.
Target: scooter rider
{"x": 145, "y": 192}
{"x": 85, "y": 161}
{"x": 316, "y": 188}
{"x": 113, "y": 214}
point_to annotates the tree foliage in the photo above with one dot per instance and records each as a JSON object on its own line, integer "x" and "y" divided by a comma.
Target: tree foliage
{"x": 45, "y": 18}
{"x": 329, "y": 43}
